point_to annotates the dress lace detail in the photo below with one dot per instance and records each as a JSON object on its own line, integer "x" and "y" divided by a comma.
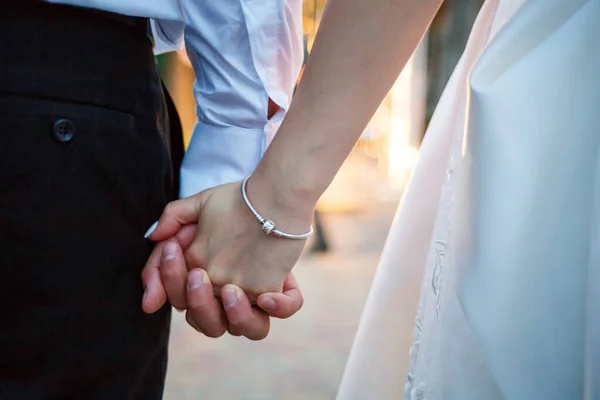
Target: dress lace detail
{"x": 438, "y": 270}
{"x": 418, "y": 393}
{"x": 434, "y": 274}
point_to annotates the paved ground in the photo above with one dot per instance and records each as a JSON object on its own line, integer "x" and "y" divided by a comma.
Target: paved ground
{"x": 304, "y": 357}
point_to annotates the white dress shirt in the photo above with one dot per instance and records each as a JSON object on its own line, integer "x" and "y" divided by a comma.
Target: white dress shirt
{"x": 243, "y": 53}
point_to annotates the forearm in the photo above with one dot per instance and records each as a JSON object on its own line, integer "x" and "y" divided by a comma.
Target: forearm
{"x": 361, "y": 47}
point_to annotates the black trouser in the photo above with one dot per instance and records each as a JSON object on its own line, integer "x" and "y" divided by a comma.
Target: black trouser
{"x": 84, "y": 171}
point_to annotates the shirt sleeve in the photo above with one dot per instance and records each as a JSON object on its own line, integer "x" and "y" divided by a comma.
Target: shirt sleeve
{"x": 243, "y": 53}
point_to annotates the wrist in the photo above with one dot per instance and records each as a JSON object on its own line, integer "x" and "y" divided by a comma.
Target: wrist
{"x": 291, "y": 210}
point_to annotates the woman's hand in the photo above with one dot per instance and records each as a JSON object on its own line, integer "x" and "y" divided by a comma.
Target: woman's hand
{"x": 229, "y": 243}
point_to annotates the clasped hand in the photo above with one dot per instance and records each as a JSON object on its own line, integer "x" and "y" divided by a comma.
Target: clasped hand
{"x": 212, "y": 260}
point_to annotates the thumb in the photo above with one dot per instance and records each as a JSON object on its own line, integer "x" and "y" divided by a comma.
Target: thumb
{"x": 175, "y": 215}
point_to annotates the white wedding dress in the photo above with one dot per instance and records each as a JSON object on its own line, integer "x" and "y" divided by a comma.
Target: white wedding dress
{"x": 501, "y": 224}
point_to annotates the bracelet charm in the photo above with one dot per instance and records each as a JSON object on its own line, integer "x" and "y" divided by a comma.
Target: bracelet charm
{"x": 268, "y": 226}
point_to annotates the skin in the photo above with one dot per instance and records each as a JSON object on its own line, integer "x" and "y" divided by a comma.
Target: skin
{"x": 360, "y": 49}
{"x": 166, "y": 275}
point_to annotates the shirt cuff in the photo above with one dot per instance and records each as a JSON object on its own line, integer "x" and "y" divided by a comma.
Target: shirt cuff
{"x": 221, "y": 154}
{"x": 167, "y": 35}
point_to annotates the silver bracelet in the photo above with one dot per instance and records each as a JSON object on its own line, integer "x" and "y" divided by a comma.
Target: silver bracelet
{"x": 268, "y": 226}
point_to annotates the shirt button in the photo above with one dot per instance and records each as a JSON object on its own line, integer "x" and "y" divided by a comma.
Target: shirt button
{"x": 63, "y": 130}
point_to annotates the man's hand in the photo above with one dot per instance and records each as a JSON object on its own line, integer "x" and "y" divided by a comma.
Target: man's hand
{"x": 165, "y": 276}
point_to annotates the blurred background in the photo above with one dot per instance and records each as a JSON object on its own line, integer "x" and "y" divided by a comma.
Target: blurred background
{"x": 304, "y": 357}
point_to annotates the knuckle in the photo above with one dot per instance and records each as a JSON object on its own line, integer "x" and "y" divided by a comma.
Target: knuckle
{"x": 170, "y": 273}
{"x": 170, "y": 208}
{"x": 193, "y": 257}
{"x": 199, "y": 307}
{"x": 177, "y": 303}
{"x": 234, "y": 332}
{"x": 240, "y": 321}
{"x": 190, "y": 320}
{"x": 214, "y": 333}
{"x": 149, "y": 275}
{"x": 236, "y": 322}
{"x": 258, "y": 336}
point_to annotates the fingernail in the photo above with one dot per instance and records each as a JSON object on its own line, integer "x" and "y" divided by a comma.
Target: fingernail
{"x": 230, "y": 296}
{"x": 267, "y": 304}
{"x": 168, "y": 252}
{"x": 150, "y": 230}
{"x": 195, "y": 279}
